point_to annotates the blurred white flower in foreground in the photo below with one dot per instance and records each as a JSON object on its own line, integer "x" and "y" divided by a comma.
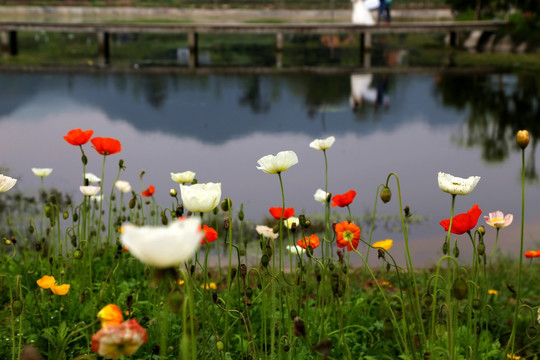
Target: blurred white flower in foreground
{"x": 42, "y": 172}
{"x": 164, "y": 247}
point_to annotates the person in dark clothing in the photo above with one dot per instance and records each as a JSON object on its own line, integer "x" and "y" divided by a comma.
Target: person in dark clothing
{"x": 384, "y": 11}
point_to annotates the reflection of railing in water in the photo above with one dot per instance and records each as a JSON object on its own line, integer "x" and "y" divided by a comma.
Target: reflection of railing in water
{"x": 8, "y": 32}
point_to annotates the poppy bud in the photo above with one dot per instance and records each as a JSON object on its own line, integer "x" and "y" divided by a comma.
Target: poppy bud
{"x": 38, "y": 246}
{"x": 386, "y": 194}
{"x": 340, "y": 255}
{"x": 427, "y": 355}
{"x": 121, "y": 163}
{"x": 286, "y": 347}
{"x": 155, "y": 349}
{"x": 241, "y": 212}
{"x": 302, "y": 220}
{"x": 265, "y": 260}
{"x": 129, "y": 301}
{"x": 456, "y": 251}
{"x": 299, "y": 327}
{"x": 65, "y": 215}
{"x": 476, "y": 303}
{"x": 214, "y": 297}
{"x": 275, "y": 229}
{"x": 482, "y": 230}
{"x": 233, "y": 273}
{"x": 84, "y": 159}
{"x": 30, "y": 229}
{"x": 249, "y": 292}
{"x": 179, "y": 210}
{"x": 191, "y": 270}
{"x": 132, "y": 202}
{"x": 511, "y": 287}
{"x": 220, "y": 346}
{"x": 226, "y": 223}
{"x": 194, "y": 181}
{"x": 48, "y": 211}
{"x": 481, "y": 248}
{"x": 259, "y": 284}
{"x": 7, "y": 241}
{"x": 268, "y": 251}
{"x": 164, "y": 219}
{"x": 427, "y": 300}
{"x": 331, "y": 267}
{"x": 445, "y": 248}
{"x": 407, "y": 211}
{"x": 175, "y": 301}
{"x": 307, "y": 224}
{"x": 293, "y": 227}
{"x": 77, "y": 254}
{"x": 173, "y": 192}
{"x": 17, "y": 307}
{"x": 459, "y": 288}
{"x": 82, "y": 298}
{"x": 226, "y": 204}
{"x": 523, "y": 138}
{"x": 75, "y": 217}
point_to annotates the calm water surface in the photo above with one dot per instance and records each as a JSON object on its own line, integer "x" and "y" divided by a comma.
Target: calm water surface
{"x": 220, "y": 125}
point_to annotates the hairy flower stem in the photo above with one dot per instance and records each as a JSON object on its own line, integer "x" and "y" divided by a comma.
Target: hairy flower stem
{"x": 327, "y": 233}
{"x": 494, "y": 248}
{"x": 512, "y": 340}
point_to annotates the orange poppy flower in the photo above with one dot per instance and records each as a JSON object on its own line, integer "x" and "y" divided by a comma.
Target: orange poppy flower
{"x": 60, "y": 289}
{"x": 463, "y": 222}
{"x": 276, "y": 212}
{"x": 343, "y": 200}
{"x": 149, "y": 192}
{"x": 49, "y": 282}
{"x": 532, "y": 254}
{"x": 311, "y": 241}
{"x": 209, "y": 235}
{"x": 110, "y": 315}
{"x": 348, "y": 234}
{"x": 106, "y": 146}
{"x": 78, "y": 137}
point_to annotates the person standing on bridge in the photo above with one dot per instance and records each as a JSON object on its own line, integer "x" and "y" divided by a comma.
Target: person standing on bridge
{"x": 384, "y": 11}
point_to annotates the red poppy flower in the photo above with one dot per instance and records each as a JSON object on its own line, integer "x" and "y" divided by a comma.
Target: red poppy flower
{"x": 124, "y": 339}
{"x": 149, "y": 192}
{"x": 463, "y": 222}
{"x": 276, "y": 213}
{"x": 532, "y": 254}
{"x": 209, "y": 235}
{"x": 106, "y": 146}
{"x": 348, "y": 234}
{"x": 311, "y": 241}
{"x": 78, "y": 137}
{"x": 343, "y": 200}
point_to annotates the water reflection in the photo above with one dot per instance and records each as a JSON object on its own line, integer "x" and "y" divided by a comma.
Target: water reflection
{"x": 219, "y": 125}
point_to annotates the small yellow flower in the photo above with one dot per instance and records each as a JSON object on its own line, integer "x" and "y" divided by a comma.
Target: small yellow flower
{"x": 493, "y": 292}
{"x": 385, "y": 244}
{"x": 211, "y": 286}
{"x": 180, "y": 282}
{"x": 386, "y": 284}
{"x": 514, "y": 357}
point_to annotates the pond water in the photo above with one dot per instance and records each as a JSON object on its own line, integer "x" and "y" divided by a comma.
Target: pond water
{"x": 219, "y": 125}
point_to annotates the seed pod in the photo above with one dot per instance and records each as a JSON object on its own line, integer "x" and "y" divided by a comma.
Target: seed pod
{"x": 386, "y": 194}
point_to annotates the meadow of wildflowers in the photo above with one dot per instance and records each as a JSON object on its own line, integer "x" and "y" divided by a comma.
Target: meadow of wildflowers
{"x": 120, "y": 276}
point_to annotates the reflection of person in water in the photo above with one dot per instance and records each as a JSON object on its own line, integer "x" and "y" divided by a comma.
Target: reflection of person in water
{"x": 360, "y": 14}
{"x": 362, "y": 92}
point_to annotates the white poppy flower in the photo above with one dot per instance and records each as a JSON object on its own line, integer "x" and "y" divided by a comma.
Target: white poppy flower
{"x": 200, "y": 198}
{"x": 6, "y": 183}
{"x": 322, "y": 144}
{"x": 266, "y": 231}
{"x": 96, "y": 198}
{"x": 456, "y": 185}
{"x": 42, "y": 172}
{"x": 164, "y": 247}
{"x": 91, "y": 178}
{"x": 290, "y": 221}
{"x": 89, "y": 190}
{"x": 295, "y": 250}
{"x": 123, "y": 186}
{"x": 183, "y": 177}
{"x": 271, "y": 164}
{"x": 321, "y": 196}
